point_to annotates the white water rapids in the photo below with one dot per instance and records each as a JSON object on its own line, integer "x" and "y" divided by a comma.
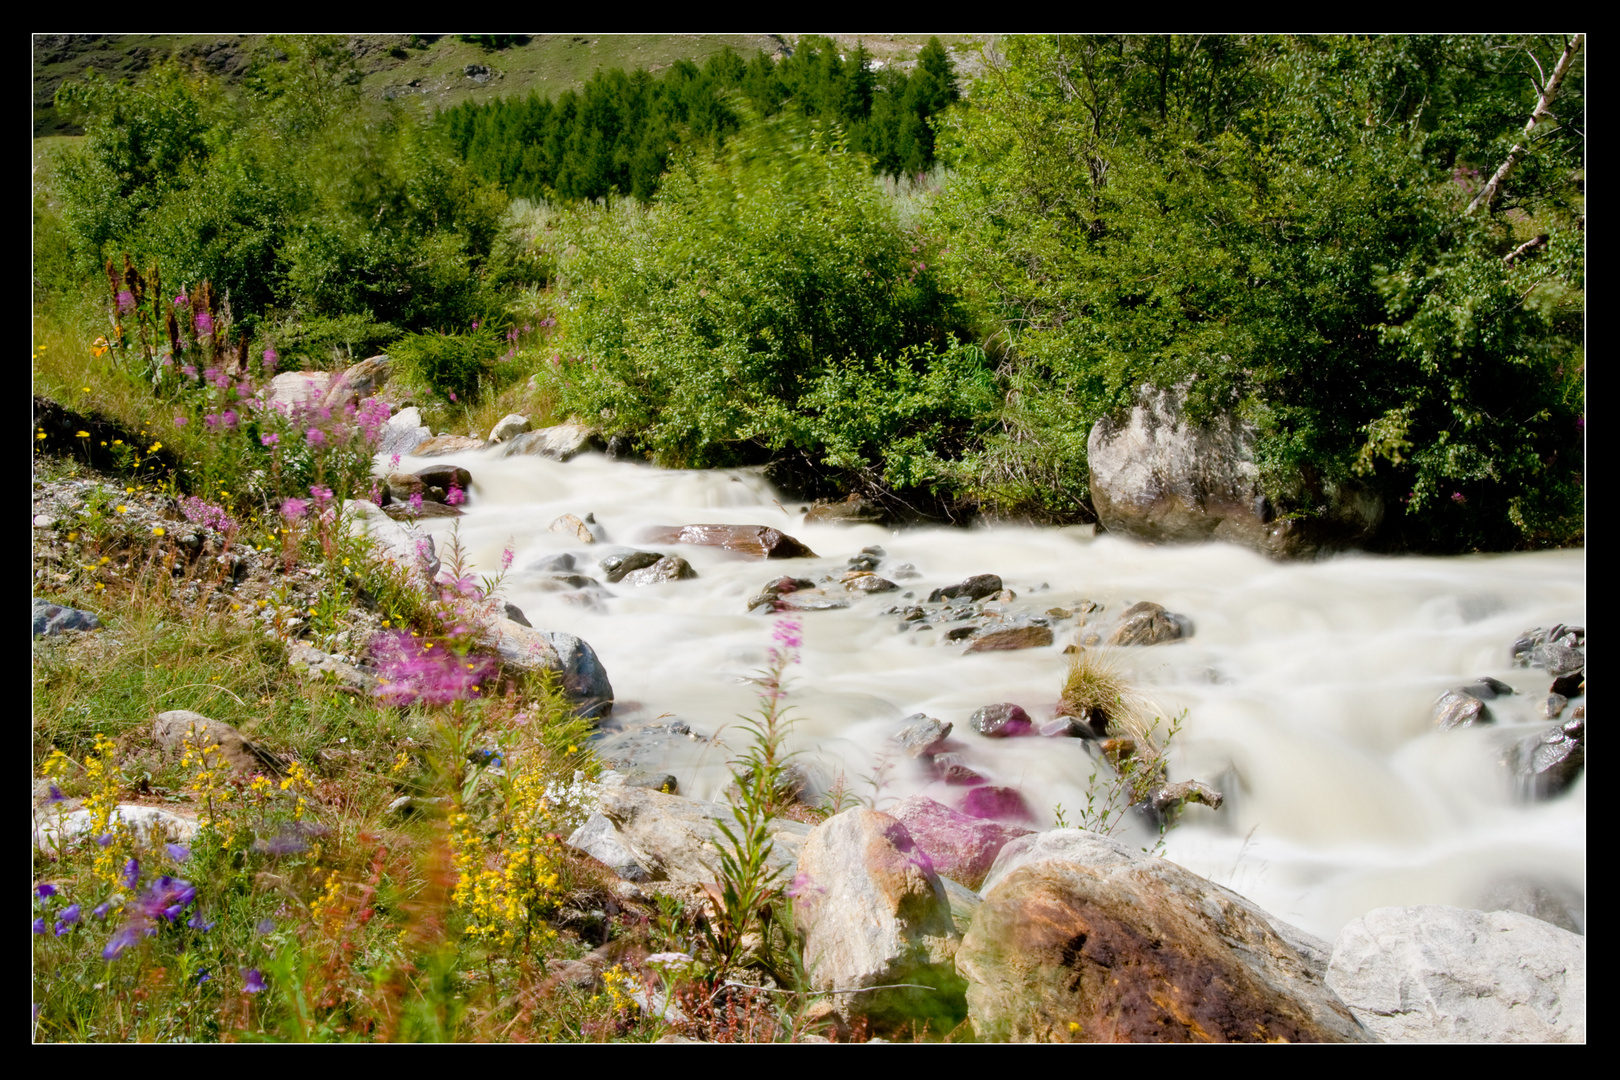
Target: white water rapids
{"x": 1308, "y": 687}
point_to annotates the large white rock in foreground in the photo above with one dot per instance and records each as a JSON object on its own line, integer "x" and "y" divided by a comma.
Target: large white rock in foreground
{"x": 1444, "y": 974}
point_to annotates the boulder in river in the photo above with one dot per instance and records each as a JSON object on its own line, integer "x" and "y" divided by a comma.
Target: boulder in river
{"x": 1159, "y": 477}
{"x": 358, "y": 381}
{"x": 961, "y": 846}
{"x": 973, "y": 588}
{"x": 571, "y": 526}
{"x": 1444, "y": 974}
{"x": 873, "y": 912}
{"x": 922, "y": 735}
{"x": 620, "y": 563}
{"x": 760, "y": 541}
{"x": 563, "y": 442}
{"x": 852, "y": 511}
{"x": 444, "y": 477}
{"x": 508, "y": 427}
{"x": 1000, "y": 720}
{"x": 410, "y": 552}
{"x": 1083, "y": 939}
{"x": 583, "y": 677}
{"x": 667, "y": 568}
{"x": 999, "y": 638}
{"x": 1547, "y": 764}
{"x": 1146, "y": 623}
{"x": 997, "y": 804}
{"x": 447, "y": 444}
{"x": 403, "y": 433}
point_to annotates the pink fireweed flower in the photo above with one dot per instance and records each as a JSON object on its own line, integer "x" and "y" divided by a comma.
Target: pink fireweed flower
{"x": 244, "y": 389}
{"x": 315, "y": 437}
{"x": 205, "y": 323}
{"x": 190, "y": 370}
{"x": 199, "y": 512}
{"x": 270, "y": 440}
{"x": 181, "y": 421}
{"x": 453, "y": 393}
{"x": 211, "y": 421}
{"x": 270, "y": 360}
{"x": 506, "y": 557}
{"x": 182, "y": 300}
{"x": 126, "y": 302}
{"x": 428, "y": 671}
{"x": 393, "y": 462}
{"x": 455, "y": 496}
{"x": 416, "y": 502}
{"x": 293, "y": 509}
{"x": 228, "y": 418}
{"x": 789, "y": 634}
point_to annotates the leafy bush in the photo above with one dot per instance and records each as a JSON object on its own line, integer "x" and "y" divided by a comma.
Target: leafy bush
{"x": 702, "y": 323}
{"x": 452, "y": 364}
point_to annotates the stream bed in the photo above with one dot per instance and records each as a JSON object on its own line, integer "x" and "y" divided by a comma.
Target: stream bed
{"x": 1308, "y": 688}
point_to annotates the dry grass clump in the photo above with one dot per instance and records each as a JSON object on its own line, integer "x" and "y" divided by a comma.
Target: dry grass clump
{"x": 1097, "y": 692}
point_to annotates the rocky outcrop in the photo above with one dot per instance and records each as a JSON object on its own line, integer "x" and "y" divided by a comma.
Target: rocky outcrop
{"x": 873, "y": 912}
{"x": 1444, "y": 974}
{"x": 1083, "y": 939}
{"x": 760, "y": 541}
{"x": 584, "y": 679}
{"x": 1158, "y": 477}
{"x": 563, "y": 442}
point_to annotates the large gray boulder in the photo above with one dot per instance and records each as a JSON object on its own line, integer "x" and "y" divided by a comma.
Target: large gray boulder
{"x": 675, "y": 839}
{"x": 562, "y": 442}
{"x": 873, "y": 913}
{"x": 292, "y": 389}
{"x": 403, "y": 433}
{"x": 1082, "y": 939}
{"x": 410, "y": 552}
{"x": 1157, "y": 476}
{"x": 52, "y": 618}
{"x": 1444, "y": 974}
{"x": 358, "y": 381}
{"x": 584, "y": 679}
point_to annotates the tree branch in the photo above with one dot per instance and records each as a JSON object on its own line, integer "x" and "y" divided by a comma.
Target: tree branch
{"x": 1487, "y": 194}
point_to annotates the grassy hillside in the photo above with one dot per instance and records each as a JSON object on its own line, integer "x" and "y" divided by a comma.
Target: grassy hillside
{"x": 434, "y": 70}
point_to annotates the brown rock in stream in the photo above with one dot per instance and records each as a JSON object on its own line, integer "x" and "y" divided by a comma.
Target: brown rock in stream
{"x": 760, "y": 541}
{"x": 1012, "y": 637}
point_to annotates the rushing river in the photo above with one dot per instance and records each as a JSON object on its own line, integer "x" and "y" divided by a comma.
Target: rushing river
{"x": 1308, "y": 688}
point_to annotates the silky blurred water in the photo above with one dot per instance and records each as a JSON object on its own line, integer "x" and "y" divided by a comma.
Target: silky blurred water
{"x": 1308, "y": 687}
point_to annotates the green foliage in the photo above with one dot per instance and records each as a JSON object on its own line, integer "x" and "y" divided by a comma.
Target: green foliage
{"x": 449, "y": 363}
{"x": 1276, "y": 224}
{"x": 702, "y": 323}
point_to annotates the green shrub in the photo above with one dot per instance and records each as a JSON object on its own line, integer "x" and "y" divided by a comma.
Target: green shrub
{"x": 452, "y": 364}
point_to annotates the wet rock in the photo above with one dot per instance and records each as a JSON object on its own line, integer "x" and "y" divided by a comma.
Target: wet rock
{"x": 675, "y": 839}
{"x": 1444, "y": 974}
{"x": 872, "y": 912}
{"x": 954, "y": 770}
{"x": 1553, "y": 707}
{"x": 562, "y": 562}
{"x": 1159, "y": 477}
{"x": 759, "y": 541}
{"x": 571, "y": 526}
{"x": 1570, "y": 686}
{"x": 961, "y": 633}
{"x": 1559, "y": 660}
{"x": 1547, "y": 764}
{"x": 403, "y": 433}
{"x": 401, "y": 486}
{"x": 998, "y": 721}
{"x": 922, "y": 735}
{"x": 1146, "y": 623}
{"x": 447, "y": 444}
{"x": 443, "y": 477}
{"x": 617, "y": 565}
{"x": 358, "y": 381}
{"x": 583, "y": 677}
{"x": 515, "y": 613}
{"x": 1550, "y": 901}
{"x": 1081, "y": 938}
{"x": 774, "y": 590}
{"x": 668, "y": 568}
{"x": 561, "y": 443}
{"x": 1458, "y": 708}
{"x": 1011, "y": 637}
{"x": 404, "y": 511}
{"x": 869, "y": 583}
{"x": 655, "y": 781}
{"x": 409, "y": 552}
{"x": 559, "y": 582}
{"x": 1524, "y": 648}
{"x": 997, "y": 804}
{"x": 864, "y": 561}
{"x": 810, "y": 601}
{"x": 852, "y": 511}
{"x": 905, "y": 572}
{"x": 52, "y": 618}
{"x": 509, "y": 427}
{"x": 961, "y": 846}
{"x": 974, "y": 588}
{"x": 171, "y": 730}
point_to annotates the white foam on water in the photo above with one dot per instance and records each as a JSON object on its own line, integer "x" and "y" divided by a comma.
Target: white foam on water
{"x": 1308, "y": 687}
